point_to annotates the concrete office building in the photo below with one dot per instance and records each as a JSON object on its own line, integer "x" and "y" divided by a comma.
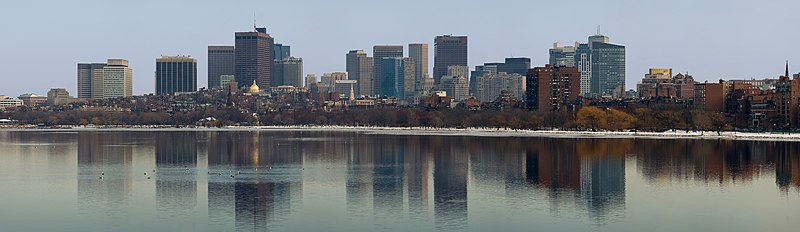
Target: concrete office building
{"x": 552, "y": 88}
{"x": 253, "y": 58}
{"x": 59, "y": 96}
{"x": 8, "y": 102}
{"x": 176, "y": 74}
{"x": 220, "y": 62}
{"x": 90, "y": 80}
{"x": 105, "y": 80}
{"x": 488, "y": 87}
{"x": 379, "y": 52}
{"x": 419, "y": 52}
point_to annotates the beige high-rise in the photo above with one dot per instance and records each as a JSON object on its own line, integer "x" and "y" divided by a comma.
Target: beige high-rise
{"x": 419, "y": 52}
{"x": 105, "y": 80}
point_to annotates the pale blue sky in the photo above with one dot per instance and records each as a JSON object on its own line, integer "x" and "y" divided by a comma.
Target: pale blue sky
{"x": 42, "y": 41}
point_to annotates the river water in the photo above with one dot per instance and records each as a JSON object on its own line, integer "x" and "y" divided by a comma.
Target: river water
{"x": 350, "y": 181}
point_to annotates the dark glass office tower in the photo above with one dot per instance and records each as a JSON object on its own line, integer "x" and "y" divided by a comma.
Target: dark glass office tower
{"x": 220, "y": 62}
{"x": 253, "y": 58}
{"x": 448, "y": 51}
{"x": 379, "y": 52}
{"x": 518, "y": 65}
{"x": 176, "y": 74}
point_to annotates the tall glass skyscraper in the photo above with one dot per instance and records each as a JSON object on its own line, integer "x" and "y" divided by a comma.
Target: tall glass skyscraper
{"x": 176, "y": 74}
{"x": 220, "y": 62}
{"x": 448, "y": 51}
{"x": 602, "y": 67}
{"x": 253, "y": 58}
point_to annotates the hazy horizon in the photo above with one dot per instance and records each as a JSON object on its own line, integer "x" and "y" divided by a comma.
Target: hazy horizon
{"x": 44, "y": 40}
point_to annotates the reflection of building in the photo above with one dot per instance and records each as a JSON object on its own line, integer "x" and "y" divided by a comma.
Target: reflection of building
{"x": 451, "y": 165}
{"x": 104, "y": 154}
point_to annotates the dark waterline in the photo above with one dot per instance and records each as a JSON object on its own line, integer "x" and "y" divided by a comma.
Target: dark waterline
{"x": 347, "y": 181}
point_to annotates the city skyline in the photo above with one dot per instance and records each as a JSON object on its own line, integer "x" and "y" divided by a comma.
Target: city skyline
{"x": 700, "y": 46}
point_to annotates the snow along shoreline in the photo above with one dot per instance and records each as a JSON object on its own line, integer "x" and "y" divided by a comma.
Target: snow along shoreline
{"x": 479, "y": 132}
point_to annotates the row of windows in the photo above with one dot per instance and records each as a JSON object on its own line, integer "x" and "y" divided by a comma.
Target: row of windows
{"x": 251, "y": 37}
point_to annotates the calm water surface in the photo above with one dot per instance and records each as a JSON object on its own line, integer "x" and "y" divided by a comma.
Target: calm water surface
{"x": 347, "y": 181}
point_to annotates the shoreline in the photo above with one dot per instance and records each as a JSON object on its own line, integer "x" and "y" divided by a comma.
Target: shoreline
{"x": 477, "y": 132}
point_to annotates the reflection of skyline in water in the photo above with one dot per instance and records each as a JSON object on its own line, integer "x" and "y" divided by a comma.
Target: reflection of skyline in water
{"x": 416, "y": 177}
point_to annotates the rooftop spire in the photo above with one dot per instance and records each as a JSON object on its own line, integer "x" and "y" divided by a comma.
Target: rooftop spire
{"x": 598, "y": 29}
{"x": 787, "y": 68}
{"x": 254, "y": 21}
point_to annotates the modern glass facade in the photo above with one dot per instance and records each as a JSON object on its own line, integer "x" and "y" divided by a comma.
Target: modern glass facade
{"x": 176, "y": 74}
{"x": 220, "y": 63}
{"x": 608, "y": 69}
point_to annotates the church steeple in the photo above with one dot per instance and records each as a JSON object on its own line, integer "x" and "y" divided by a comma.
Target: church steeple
{"x": 787, "y": 69}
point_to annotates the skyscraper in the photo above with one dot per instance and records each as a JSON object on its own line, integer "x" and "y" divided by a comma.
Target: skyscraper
{"x": 117, "y": 79}
{"x": 360, "y": 68}
{"x": 281, "y": 51}
{"x": 105, "y": 80}
{"x": 448, "y": 51}
{"x": 602, "y": 67}
{"x": 379, "y": 52}
{"x": 90, "y": 80}
{"x": 220, "y": 62}
{"x": 419, "y": 52}
{"x": 288, "y": 71}
{"x": 253, "y": 58}
{"x": 176, "y": 74}
{"x": 562, "y": 55}
{"x": 516, "y": 65}
{"x": 397, "y": 77}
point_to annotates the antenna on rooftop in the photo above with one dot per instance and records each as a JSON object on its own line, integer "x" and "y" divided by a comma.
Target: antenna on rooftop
{"x": 254, "y": 21}
{"x": 598, "y": 29}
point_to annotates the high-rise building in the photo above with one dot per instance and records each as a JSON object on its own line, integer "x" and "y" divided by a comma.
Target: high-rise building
{"x": 602, "y": 67}
{"x": 90, "y": 80}
{"x": 419, "y": 52}
{"x": 455, "y": 87}
{"x": 288, "y": 71}
{"x": 176, "y": 74}
{"x": 253, "y": 58}
{"x": 552, "y": 88}
{"x": 608, "y": 67}
{"x": 105, "y": 80}
{"x": 366, "y": 69}
{"x": 117, "y": 79}
{"x": 562, "y": 55}
{"x": 379, "y": 52}
{"x": 516, "y": 65}
{"x": 220, "y": 62}
{"x": 352, "y": 63}
{"x": 489, "y": 87}
{"x": 281, "y": 51}
{"x": 448, "y": 51}
{"x": 397, "y": 77}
